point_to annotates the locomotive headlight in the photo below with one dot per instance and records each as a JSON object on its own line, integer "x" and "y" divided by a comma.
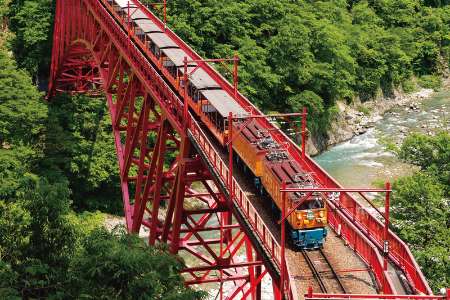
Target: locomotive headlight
{"x": 299, "y": 217}
{"x": 321, "y": 214}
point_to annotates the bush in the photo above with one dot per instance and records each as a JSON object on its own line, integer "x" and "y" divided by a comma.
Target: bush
{"x": 430, "y": 82}
{"x": 420, "y": 217}
{"x": 365, "y": 110}
{"x": 430, "y": 153}
{"x": 409, "y": 86}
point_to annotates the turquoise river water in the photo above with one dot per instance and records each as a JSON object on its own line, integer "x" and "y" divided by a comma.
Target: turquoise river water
{"x": 364, "y": 160}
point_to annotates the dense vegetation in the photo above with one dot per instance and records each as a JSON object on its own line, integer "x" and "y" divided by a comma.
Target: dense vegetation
{"x": 59, "y": 157}
{"x": 52, "y": 157}
{"x": 313, "y": 53}
{"x": 421, "y": 208}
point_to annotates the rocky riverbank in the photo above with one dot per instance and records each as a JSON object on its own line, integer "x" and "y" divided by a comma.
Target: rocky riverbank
{"x": 355, "y": 119}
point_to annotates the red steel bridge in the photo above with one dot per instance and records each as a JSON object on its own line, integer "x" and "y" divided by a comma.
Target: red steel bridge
{"x": 167, "y": 156}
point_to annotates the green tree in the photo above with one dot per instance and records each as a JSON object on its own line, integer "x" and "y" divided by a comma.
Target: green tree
{"x": 8, "y": 281}
{"x": 421, "y": 212}
{"x": 421, "y": 217}
{"x": 15, "y": 170}
{"x": 52, "y": 236}
{"x": 432, "y": 154}
{"x": 120, "y": 266}
{"x": 15, "y": 231}
{"x": 80, "y": 144}
{"x": 22, "y": 113}
{"x": 32, "y": 23}
{"x": 4, "y": 8}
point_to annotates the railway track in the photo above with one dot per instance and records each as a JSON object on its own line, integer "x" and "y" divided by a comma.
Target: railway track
{"x": 326, "y": 277}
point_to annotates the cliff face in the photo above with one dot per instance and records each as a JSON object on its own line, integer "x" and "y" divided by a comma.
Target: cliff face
{"x": 357, "y": 118}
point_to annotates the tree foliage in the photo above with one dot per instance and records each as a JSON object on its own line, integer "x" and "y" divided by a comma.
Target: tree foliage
{"x": 22, "y": 114}
{"x": 421, "y": 209}
{"x": 80, "y": 143}
{"x": 334, "y": 49}
{"x": 120, "y": 266}
{"x": 46, "y": 250}
{"x": 32, "y": 22}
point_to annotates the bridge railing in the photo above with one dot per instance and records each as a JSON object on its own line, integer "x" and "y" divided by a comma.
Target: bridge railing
{"x": 361, "y": 245}
{"x": 318, "y": 296}
{"x": 373, "y": 228}
{"x": 398, "y": 251}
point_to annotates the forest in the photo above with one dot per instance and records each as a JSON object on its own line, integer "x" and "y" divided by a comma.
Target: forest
{"x": 58, "y": 171}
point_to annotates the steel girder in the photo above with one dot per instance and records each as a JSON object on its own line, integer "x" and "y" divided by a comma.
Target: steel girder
{"x": 159, "y": 167}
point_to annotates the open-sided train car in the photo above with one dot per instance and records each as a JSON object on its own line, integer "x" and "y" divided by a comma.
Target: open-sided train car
{"x": 266, "y": 159}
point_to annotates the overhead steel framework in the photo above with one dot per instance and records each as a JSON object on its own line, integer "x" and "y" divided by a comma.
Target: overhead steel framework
{"x": 165, "y": 157}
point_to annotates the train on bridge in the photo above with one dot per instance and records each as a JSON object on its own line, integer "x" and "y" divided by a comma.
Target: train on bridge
{"x": 155, "y": 85}
{"x": 271, "y": 166}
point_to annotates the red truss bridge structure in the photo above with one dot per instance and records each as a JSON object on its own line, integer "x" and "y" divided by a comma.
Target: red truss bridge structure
{"x": 179, "y": 127}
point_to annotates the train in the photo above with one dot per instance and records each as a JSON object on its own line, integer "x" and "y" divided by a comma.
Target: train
{"x": 269, "y": 164}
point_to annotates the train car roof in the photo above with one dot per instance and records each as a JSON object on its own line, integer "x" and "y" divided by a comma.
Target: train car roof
{"x": 223, "y": 103}
{"x": 291, "y": 173}
{"x": 162, "y": 40}
{"x": 124, "y": 3}
{"x": 254, "y": 132}
{"x": 147, "y": 26}
{"x": 200, "y": 79}
{"x": 138, "y": 14}
{"x": 176, "y": 56}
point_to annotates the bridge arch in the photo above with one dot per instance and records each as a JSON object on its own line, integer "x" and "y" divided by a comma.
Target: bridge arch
{"x": 80, "y": 70}
{"x": 93, "y": 55}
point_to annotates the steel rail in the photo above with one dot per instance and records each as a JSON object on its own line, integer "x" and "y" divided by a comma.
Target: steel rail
{"x": 333, "y": 271}
{"x": 316, "y": 273}
{"x": 319, "y": 275}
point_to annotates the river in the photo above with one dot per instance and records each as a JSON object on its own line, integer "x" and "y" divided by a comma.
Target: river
{"x": 364, "y": 160}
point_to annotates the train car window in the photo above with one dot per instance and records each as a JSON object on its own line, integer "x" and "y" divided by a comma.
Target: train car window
{"x": 311, "y": 204}
{"x": 208, "y": 108}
